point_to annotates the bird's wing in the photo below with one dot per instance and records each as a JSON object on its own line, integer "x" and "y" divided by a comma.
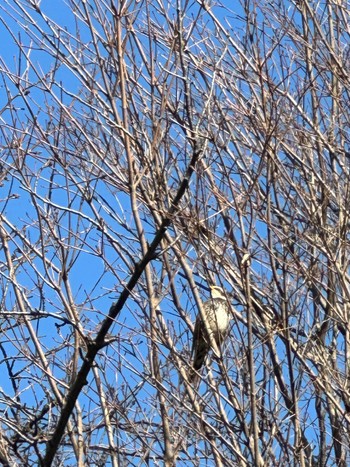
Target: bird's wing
{"x": 196, "y": 334}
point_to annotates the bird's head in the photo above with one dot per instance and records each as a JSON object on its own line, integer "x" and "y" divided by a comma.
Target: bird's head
{"x": 217, "y": 292}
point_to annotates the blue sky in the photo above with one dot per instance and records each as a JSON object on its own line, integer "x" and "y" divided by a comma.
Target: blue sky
{"x": 101, "y": 255}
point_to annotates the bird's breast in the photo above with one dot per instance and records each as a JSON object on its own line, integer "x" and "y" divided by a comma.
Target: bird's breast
{"x": 222, "y": 318}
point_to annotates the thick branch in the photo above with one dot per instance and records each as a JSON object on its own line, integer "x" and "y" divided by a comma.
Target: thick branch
{"x": 99, "y": 341}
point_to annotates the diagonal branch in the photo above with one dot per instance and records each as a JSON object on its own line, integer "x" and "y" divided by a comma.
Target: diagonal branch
{"x": 95, "y": 345}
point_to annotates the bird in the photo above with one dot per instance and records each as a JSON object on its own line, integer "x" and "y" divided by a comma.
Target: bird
{"x": 217, "y": 313}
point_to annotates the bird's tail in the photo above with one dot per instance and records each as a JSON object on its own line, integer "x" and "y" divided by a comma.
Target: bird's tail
{"x": 193, "y": 377}
{"x": 197, "y": 363}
